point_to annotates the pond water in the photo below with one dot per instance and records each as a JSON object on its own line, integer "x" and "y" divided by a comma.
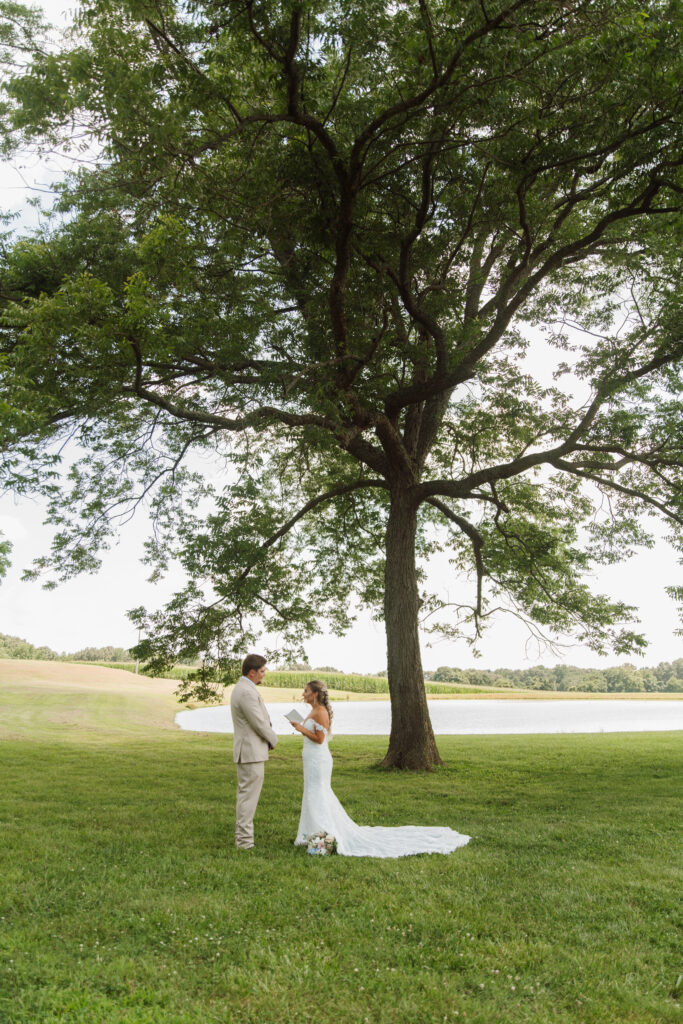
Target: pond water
{"x": 468, "y": 717}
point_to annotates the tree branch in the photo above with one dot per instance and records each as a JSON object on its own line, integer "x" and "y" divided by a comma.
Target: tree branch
{"x": 477, "y": 545}
{"x": 251, "y": 419}
{"x": 569, "y": 467}
{"x": 503, "y": 471}
{"x": 437, "y": 82}
{"x": 335, "y": 492}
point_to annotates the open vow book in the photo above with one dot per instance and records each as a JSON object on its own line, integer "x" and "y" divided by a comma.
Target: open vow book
{"x": 294, "y": 716}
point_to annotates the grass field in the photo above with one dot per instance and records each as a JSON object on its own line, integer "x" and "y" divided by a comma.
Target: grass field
{"x": 122, "y": 900}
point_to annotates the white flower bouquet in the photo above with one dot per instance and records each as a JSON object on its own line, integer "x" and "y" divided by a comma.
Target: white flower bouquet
{"x": 320, "y": 843}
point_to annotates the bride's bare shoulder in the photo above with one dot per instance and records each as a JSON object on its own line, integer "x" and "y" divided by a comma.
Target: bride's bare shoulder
{"x": 322, "y": 717}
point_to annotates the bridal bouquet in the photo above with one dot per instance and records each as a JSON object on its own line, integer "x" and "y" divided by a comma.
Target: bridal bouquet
{"x": 321, "y": 843}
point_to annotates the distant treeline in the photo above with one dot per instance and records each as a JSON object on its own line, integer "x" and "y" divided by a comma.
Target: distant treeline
{"x": 15, "y": 647}
{"x": 667, "y": 677}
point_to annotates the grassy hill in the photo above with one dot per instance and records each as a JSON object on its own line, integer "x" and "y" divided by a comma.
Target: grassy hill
{"x": 123, "y": 901}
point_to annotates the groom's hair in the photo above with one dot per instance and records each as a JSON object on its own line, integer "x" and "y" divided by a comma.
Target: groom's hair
{"x": 252, "y": 662}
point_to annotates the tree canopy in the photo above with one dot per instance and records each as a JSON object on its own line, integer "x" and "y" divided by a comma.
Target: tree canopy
{"x": 324, "y": 243}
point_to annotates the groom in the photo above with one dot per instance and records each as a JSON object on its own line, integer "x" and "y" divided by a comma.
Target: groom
{"x": 253, "y": 738}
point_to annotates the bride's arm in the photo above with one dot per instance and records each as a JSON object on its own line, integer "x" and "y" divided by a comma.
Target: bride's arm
{"x": 315, "y": 735}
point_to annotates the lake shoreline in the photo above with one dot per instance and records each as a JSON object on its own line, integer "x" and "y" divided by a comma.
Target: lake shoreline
{"x": 467, "y": 718}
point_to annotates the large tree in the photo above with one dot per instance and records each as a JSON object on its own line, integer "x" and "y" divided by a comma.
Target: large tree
{"x": 20, "y": 29}
{"x": 314, "y": 239}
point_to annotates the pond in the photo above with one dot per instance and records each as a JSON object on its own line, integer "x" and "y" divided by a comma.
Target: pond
{"x": 469, "y": 717}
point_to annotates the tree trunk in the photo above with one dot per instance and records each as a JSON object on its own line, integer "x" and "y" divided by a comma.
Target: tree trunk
{"x": 411, "y": 743}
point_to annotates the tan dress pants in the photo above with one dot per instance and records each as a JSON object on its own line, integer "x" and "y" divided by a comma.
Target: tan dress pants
{"x": 249, "y": 783}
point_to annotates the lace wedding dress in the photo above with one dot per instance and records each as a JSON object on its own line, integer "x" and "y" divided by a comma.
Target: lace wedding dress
{"x": 320, "y": 809}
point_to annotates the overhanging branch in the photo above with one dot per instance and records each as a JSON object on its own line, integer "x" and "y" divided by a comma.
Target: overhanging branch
{"x": 335, "y": 492}
{"x": 251, "y": 419}
{"x": 504, "y": 471}
{"x": 477, "y": 545}
{"x": 640, "y": 495}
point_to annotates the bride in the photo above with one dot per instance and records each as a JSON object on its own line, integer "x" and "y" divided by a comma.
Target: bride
{"x": 320, "y": 808}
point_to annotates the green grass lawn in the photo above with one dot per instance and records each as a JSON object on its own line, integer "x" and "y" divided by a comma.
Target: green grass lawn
{"x": 123, "y": 899}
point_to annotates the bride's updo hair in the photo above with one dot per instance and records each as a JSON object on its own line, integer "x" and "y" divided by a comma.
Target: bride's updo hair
{"x": 323, "y": 697}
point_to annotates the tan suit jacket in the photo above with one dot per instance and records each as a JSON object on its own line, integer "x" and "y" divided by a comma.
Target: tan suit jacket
{"x": 252, "y": 731}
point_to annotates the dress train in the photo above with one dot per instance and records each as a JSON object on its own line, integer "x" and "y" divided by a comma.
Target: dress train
{"x": 321, "y": 809}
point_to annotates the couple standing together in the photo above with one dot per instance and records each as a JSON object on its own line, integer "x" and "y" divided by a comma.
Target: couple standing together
{"x": 320, "y": 809}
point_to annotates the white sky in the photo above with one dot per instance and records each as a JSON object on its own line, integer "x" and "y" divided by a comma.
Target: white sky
{"x": 90, "y": 610}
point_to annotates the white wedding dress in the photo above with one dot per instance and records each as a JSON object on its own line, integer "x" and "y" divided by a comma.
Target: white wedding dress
{"x": 320, "y": 809}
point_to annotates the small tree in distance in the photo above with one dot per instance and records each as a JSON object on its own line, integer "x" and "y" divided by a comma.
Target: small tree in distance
{"x": 314, "y": 245}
